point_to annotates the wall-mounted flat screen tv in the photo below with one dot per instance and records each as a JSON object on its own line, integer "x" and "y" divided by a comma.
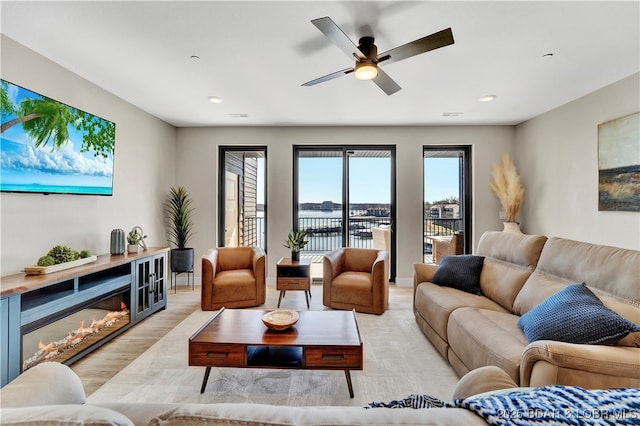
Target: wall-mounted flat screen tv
{"x": 52, "y": 148}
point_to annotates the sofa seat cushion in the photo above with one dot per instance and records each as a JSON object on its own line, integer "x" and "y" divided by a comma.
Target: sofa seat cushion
{"x": 352, "y": 288}
{"x": 482, "y": 337}
{"x": 436, "y": 304}
{"x": 234, "y": 285}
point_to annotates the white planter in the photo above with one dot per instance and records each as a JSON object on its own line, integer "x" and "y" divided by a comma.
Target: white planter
{"x": 513, "y": 227}
{"x": 132, "y": 248}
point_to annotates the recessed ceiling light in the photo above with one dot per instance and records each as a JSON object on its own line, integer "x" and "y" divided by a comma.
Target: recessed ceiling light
{"x": 195, "y": 57}
{"x": 215, "y": 99}
{"x": 239, "y": 115}
{"x": 452, "y": 114}
{"x": 547, "y": 55}
{"x": 487, "y": 98}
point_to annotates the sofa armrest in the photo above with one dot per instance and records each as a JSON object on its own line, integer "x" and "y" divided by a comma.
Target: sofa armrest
{"x": 483, "y": 379}
{"x": 48, "y": 383}
{"x": 423, "y": 272}
{"x": 546, "y": 362}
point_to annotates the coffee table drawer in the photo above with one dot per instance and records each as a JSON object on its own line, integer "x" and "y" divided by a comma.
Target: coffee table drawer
{"x": 338, "y": 357}
{"x": 212, "y": 355}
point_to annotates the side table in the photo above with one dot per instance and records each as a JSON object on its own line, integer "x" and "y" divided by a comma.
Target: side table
{"x": 293, "y": 275}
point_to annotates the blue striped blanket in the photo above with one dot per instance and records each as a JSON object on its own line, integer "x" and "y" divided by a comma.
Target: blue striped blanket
{"x": 547, "y": 405}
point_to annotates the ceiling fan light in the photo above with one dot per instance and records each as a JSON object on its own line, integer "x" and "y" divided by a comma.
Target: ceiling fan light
{"x": 366, "y": 71}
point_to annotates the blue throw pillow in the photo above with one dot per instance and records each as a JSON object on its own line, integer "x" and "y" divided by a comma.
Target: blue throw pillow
{"x": 575, "y": 315}
{"x": 461, "y": 272}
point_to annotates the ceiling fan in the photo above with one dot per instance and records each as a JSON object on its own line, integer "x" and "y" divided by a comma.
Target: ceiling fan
{"x": 367, "y": 57}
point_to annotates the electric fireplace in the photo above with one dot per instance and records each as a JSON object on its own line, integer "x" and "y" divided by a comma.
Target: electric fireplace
{"x": 69, "y": 334}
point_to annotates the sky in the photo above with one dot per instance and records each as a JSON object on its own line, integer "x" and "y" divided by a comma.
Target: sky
{"x": 320, "y": 180}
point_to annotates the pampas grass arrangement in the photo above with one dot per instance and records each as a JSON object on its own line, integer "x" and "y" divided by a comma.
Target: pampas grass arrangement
{"x": 507, "y": 187}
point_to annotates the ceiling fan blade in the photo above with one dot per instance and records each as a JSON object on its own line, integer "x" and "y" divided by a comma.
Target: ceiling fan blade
{"x": 329, "y": 77}
{"x": 338, "y": 37}
{"x": 416, "y": 47}
{"x": 386, "y": 83}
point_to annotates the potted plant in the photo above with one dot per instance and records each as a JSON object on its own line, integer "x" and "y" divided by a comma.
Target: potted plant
{"x": 295, "y": 242}
{"x": 507, "y": 187}
{"x": 180, "y": 223}
{"x": 133, "y": 239}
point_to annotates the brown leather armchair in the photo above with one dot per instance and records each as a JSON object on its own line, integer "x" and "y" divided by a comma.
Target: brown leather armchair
{"x": 447, "y": 246}
{"x": 233, "y": 277}
{"x": 356, "y": 278}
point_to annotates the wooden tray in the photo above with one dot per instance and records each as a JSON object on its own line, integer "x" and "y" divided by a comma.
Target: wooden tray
{"x": 42, "y": 270}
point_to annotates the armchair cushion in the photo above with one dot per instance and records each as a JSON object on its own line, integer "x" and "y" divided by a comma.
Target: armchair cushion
{"x": 461, "y": 272}
{"x": 575, "y": 315}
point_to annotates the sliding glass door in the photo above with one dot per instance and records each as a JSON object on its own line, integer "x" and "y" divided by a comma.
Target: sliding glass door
{"x": 344, "y": 196}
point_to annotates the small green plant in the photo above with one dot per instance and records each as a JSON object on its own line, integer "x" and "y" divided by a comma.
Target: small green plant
{"x": 296, "y": 240}
{"x": 85, "y": 253}
{"x": 46, "y": 261}
{"x": 63, "y": 254}
{"x": 134, "y": 237}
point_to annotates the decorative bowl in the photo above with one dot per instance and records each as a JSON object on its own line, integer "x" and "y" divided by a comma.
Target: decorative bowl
{"x": 280, "y": 319}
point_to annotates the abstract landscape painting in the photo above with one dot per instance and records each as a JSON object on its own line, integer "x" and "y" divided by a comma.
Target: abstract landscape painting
{"x": 619, "y": 164}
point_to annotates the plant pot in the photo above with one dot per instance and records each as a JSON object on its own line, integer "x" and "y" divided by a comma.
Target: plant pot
{"x": 132, "y": 248}
{"x": 513, "y": 227}
{"x": 295, "y": 256}
{"x": 182, "y": 260}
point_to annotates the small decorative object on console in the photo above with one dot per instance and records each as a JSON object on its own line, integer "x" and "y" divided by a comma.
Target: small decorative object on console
{"x": 117, "y": 241}
{"x": 280, "y": 319}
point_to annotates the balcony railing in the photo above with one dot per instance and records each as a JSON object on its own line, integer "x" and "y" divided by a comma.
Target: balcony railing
{"x": 325, "y": 233}
{"x": 442, "y": 227}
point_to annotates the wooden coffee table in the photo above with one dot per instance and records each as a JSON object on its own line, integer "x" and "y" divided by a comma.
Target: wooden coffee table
{"x": 320, "y": 340}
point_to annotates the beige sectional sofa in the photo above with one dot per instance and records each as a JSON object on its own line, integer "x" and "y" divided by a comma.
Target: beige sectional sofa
{"x": 519, "y": 272}
{"x": 52, "y": 394}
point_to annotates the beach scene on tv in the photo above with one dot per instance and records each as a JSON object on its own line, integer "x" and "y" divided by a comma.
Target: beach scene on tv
{"x": 49, "y": 147}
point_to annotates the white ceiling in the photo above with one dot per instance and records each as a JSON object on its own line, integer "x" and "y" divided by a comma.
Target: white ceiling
{"x": 256, "y": 55}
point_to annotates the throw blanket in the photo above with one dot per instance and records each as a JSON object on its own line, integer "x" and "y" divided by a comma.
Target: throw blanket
{"x": 547, "y": 405}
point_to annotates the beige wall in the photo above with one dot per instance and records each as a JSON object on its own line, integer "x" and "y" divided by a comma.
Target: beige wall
{"x": 197, "y": 156}
{"x": 31, "y": 224}
{"x": 557, "y": 155}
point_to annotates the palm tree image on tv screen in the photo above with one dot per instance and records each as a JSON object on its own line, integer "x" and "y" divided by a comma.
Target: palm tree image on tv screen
{"x": 49, "y": 147}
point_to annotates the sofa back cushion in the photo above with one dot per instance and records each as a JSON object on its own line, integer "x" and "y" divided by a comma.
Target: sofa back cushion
{"x": 611, "y": 273}
{"x": 509, "y": 260}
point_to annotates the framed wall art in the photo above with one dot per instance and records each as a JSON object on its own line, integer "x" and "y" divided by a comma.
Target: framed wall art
{"x": 619, "y": 164}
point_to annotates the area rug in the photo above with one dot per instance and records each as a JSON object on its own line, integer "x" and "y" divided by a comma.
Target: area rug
{"x": 398, "y": 361}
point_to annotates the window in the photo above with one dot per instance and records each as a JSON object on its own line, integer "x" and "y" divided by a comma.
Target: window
{"x": 446, "y": 200}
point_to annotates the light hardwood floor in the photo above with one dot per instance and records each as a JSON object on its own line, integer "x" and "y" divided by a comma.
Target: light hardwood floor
{"x": 102, "y": 364}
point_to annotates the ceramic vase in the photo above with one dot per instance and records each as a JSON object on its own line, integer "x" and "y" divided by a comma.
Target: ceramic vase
{"x": 513, "y": 227}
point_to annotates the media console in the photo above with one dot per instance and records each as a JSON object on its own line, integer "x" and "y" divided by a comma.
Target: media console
{"x": 104, "y": 298}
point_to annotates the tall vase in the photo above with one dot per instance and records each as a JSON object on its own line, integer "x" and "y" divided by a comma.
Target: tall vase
{"x": 513, "y": 227}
